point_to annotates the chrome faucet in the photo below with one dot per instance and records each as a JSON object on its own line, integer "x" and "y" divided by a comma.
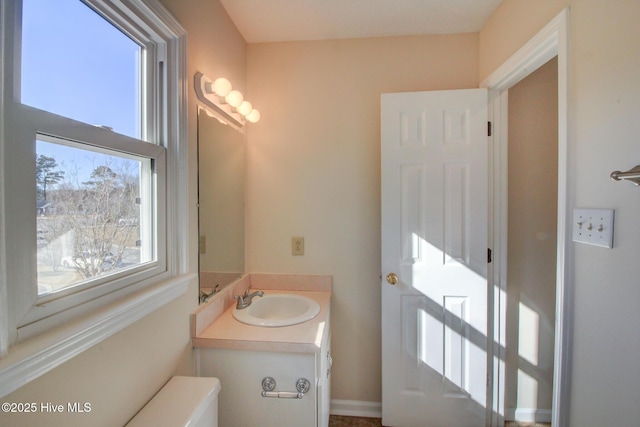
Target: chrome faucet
{"x": 204, "y": 297}
{"x": 244, "y": 301}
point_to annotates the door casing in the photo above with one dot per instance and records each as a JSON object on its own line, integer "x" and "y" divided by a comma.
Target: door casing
{"x": 551, "y": 41}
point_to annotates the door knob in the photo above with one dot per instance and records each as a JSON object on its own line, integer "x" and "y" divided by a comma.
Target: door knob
{"x": 392, "y": 278}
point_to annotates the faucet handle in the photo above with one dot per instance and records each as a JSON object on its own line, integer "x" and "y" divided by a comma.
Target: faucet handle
{"x": 247, "y": 291}
{"x": 243, "y": 301}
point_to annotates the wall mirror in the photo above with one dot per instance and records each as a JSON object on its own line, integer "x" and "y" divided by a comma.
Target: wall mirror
{"x": 221, "y": 181}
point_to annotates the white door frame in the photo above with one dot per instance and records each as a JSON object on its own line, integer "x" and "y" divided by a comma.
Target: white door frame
{"x": 551, "y": 41}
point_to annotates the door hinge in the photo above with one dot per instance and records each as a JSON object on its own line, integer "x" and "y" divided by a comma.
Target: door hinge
{"x": 489, "y": 253}
{"x": 489, "y": 129}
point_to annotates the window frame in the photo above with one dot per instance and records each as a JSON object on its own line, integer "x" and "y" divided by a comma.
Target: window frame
{"x": 79, "y": 320}
{"x": 50, "y": 306}
{"x": 152, "y": 176}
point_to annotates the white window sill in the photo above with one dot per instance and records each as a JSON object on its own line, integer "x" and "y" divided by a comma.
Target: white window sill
{"x": 38, "y": 355}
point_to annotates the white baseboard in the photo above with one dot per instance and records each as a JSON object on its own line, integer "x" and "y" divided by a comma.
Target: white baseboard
{"x": 356, "y": 408}
{"x": 528, "y": 415}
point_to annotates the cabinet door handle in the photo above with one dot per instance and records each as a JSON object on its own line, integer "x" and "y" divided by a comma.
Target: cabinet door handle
{"x": 330, "y": 363}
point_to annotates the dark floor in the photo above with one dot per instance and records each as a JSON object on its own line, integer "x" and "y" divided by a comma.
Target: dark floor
{"x": 340, "y": 421}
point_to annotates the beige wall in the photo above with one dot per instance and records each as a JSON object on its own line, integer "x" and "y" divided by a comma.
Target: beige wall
{"x": 531, "y": 252}
{"x": 604, "y": 127}
{"x": 512, "y": 25}
{"x": 117, "y": 376}
{"x": 314, "y": 171}
{"x": 121, "y": 373}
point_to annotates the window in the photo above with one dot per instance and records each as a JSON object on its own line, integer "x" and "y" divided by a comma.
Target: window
{"x": 92, "y": 211}
{"x": 88, "y": 202}
{"x": 94, "y": 179}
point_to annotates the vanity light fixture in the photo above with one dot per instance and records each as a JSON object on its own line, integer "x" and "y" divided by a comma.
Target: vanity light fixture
{"x": 220, "y": 87}
{"x": 219, "y": 97}
{"x": 245, "y": 108}
{"x": 253, "y": 116}
{"x": 234, "y": 98}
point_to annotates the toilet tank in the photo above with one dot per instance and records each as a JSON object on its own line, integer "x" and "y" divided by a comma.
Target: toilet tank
{"x": 182, "y": 402}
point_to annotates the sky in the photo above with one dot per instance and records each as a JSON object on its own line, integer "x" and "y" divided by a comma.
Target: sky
{"x": 76, "y": 64}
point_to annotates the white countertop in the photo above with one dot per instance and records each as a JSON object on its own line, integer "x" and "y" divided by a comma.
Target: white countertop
{"x": 228, "y": 333}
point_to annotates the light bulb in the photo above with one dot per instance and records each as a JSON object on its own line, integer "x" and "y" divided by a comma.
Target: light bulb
{"x": 244, "y": 108}
{"x": 253, "y": 116}
{"x": 221, "y": 87}
{"x": 234, "y": 98}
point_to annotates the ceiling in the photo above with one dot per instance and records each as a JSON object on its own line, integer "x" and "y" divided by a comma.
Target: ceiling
{"x": 287, "y": 20}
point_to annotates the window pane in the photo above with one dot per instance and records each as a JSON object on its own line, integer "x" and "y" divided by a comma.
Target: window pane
{"x": 88, "y": 213}
{"x": 76, "y": 64}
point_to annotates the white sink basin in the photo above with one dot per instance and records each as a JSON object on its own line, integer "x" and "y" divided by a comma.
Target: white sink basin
{"x": 274, "y": 310}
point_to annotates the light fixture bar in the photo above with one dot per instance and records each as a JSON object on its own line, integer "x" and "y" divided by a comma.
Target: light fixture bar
{"x": 212, "y": 101}
{"x": 229, "y": 104}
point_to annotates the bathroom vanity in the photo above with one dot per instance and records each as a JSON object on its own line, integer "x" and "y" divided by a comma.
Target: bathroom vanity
{"x": 270, "y": 376}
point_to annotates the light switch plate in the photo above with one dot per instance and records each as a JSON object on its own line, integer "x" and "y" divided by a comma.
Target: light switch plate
{"x": 593, "y": 226}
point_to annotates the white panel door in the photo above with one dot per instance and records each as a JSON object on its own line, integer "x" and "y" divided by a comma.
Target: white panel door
{"x": 434, "y": 238}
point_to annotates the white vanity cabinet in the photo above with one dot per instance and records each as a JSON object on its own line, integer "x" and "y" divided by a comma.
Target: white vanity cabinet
{"x": 241, "y": 373}
{"x": 242, "y": 356}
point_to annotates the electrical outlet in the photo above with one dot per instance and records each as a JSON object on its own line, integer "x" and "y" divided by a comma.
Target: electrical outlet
{"x": 203, "y": 245}
{"x": 297, "y": 246}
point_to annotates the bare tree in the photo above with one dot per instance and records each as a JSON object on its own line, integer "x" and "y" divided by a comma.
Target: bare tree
{"x": 88, "y": 214}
